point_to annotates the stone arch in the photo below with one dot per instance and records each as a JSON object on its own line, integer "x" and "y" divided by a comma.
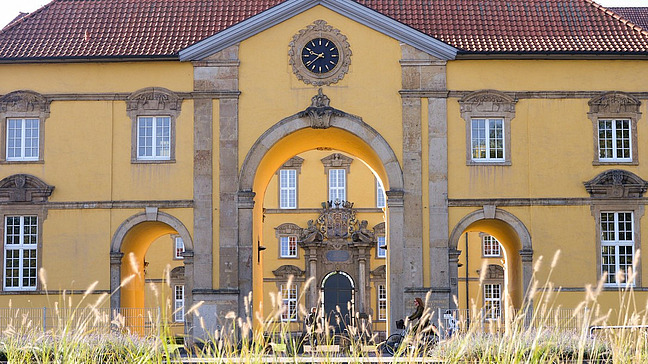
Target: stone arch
{"x": 497, "y": 214}
{"x": 504, "y": 220}
{"x": 370, "y": 146}
{"x": 347, "y": 122}
{"x": 150, "y": 216}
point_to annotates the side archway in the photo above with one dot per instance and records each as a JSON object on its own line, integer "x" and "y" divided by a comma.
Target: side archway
{"x": 515, "y": 239}
{"x": 136, "y": 234}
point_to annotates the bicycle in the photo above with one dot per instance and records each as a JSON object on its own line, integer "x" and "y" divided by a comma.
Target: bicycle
{"x": 393, "y": 343}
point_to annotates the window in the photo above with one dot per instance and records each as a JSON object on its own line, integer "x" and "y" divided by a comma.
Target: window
{"x": 23, "y": 139}
{"x": 22, "y": 124}
{"x": 381, "y": 249}
{"x": 614, "y": 140}
{"x": 154, "y": 137}
{"x": 20, "y": 245}
{"x": 179, "y": 248}
{"x": 153, "y": 112}
{"x": 380, "y": 195}
{"x": 337, "y": 184}
{"x": 487, "y": 137}
{"x": 288, "y": 246}
{"x": 488, "y": 115}
{"x": 382, "y": 302}
{"x": 492, "y": 301}
{"x": 614, "y": 117}
{"x": 288, "y": 189}
{"x": 617, "y": 246}
{"x": 178, "y": 300}
{"x": 289, "y": 302}
{"x": 491, "y": 247}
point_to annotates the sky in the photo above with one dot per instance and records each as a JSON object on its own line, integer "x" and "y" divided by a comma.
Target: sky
{"x": 9, "y": 9}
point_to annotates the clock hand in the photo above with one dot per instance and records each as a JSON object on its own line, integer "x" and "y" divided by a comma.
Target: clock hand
{"x": 321, "y": 55}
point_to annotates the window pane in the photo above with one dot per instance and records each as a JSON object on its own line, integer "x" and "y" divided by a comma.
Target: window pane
{"x": 381, "y": 250}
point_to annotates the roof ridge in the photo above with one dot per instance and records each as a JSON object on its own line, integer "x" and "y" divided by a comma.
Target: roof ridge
{"x": 619, "y": 17}
{"x": 13, "y": 24}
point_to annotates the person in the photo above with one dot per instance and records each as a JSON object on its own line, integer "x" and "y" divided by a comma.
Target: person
{"x": 418, "y": 313}
{"x": 311, "y": 325}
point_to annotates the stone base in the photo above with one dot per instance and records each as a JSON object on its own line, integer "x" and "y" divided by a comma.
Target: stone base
{"x": 435, "y": 298}
{"x": 217, "y": 313}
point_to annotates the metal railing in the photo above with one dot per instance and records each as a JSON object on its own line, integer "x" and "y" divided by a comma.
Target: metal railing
{"x": 139, "y": 321}
{"x": 450, "y": 321}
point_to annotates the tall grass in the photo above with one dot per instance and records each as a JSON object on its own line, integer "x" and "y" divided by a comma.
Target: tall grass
{"x": 84, "y": 333}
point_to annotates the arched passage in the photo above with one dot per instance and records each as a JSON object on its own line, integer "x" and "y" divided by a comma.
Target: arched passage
{"x": 128, "y": 248}
{"x": 515, "y": 240}
{"x": 294, "y": 135}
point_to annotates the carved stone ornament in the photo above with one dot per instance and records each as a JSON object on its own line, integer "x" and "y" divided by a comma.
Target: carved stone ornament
{"x": 380, "y": 272}
{"x": 288, "y": 229}
{"x": 177, "y": 273}
{"x": 495, "y": 272}
{"x": 337, "y": 220}
{"x": 24, "y": 102}
{"x": 616, "y": 183}
{"x": 336, "y": 160}
{"x": 153, "y": 101}
{"x": 293, "y": 163}
{"x": 614, "y": 103}
{"x": 488, "y": 101}
{"x": 319, "y": 29}
{"x": 24, "y": 188}
{"x": 287, "y": 271}
{"x": 320, "y": 111}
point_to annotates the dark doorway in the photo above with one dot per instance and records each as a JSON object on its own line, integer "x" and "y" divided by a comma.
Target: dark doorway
{"x": 338, "y": 299}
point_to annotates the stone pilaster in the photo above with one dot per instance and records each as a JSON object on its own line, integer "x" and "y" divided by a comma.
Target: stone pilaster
{"x": 396, "y": 281}
{"x": 188, "y": 260}
{"x": 245, "y": 250}
{"x": 115, "y": 279}
{"x": 216, "y": 73}
{"x": 422, "y": 73}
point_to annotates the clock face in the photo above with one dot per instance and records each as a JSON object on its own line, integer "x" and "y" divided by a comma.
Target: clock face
{"x": 320, "y": 55}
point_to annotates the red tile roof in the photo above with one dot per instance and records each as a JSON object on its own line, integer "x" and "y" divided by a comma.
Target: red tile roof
{"x": 161, "y": 28}
{"x": 637, "y": 15}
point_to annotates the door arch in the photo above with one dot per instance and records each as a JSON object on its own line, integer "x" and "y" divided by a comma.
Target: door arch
{"x": 338, "y": 300}
{"x": 293, "y": 135}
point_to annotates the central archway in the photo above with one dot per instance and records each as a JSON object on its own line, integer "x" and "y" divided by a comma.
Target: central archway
{"x": 291, "y": 136}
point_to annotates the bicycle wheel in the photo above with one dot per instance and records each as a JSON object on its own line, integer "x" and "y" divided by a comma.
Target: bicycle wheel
{"x": 392, "y": 343}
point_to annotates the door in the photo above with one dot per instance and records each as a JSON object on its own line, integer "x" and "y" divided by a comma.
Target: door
{"x": 338, "y": 300}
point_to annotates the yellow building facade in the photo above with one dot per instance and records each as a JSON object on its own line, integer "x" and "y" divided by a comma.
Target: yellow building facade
{"x": 321, "y": 154}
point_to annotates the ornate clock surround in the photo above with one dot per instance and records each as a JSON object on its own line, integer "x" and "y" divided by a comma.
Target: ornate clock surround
{"x": 319, "y": 29}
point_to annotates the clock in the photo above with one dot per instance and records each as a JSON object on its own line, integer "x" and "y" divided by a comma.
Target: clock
{"x": 319, "y": 54}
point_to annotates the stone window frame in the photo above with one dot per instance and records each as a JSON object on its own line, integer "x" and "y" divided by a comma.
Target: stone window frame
{"x": 488, "y": 104}
{"x": 23, "y": 104}
{"x": 177, "y": 278}
{"x": 294, "y": 163}
{"x": 615, "y": 105}
{"x": 293, "y": 274}
{"x": 617, "y": 190}
{"x": 153, "y": 102}
{"x": 495, "y": 274}
{"x": 337, "y": 161}
{"x": 379, "y": 231}
{"x": 378, "y": 277}
{"x": 380, "y": 188}
{"x": 174, "y": 246}
{"x": 483, "y": 237}
{"x": 23, "y": 195}
{"x": 286, "y": 230}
